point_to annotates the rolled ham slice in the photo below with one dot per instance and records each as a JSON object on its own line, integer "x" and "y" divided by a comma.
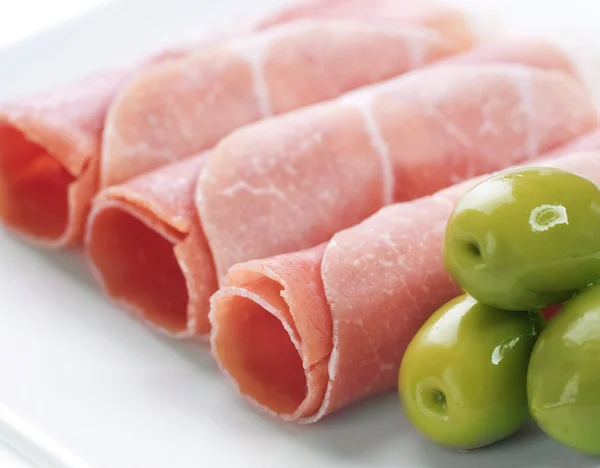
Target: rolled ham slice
{"x": 329, "y": 169}
{"x": 50, "y": 144}
{"x": 305, "y": 334}
{"x": 185, "y": 107}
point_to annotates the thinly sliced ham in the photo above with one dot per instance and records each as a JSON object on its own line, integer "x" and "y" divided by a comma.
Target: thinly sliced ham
{"x": 187, "y": 106}
{"x": 327, "y": 167}
{"x": 333, "y": 178}
{"x": 50, "y": 143}
{"x": 305, "y": 334}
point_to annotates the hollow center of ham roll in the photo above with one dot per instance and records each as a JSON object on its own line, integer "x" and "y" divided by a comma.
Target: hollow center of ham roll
{"x": 33, "y": 187}
{"x": 139, "y": 267}
{"x": 255, "y": 348}
{"x": 272, "y": 333}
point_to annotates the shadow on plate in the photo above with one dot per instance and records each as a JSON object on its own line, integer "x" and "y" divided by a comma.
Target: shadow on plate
{"x": 529, "y": 447}
{"x": 362, "y": 434}
{"x": 70, "y": 262}
{"x": 357, "y": 433}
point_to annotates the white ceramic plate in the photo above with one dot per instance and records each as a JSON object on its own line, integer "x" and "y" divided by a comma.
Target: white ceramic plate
{"x": 117, "y": 396}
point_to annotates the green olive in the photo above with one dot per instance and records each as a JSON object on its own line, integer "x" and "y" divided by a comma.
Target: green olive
{"x": 526, "y": 238}
{"x": 564, "y": 380}
{"x": 463, "y": 377}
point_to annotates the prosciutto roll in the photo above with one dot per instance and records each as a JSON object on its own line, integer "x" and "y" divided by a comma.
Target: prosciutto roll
{"x": 305, "y": 334}
{"x": 187, "y": 106}
{"x": 160, "y": 243}
{"x": 50, "y": 144}
{"x": 327, "y": 167}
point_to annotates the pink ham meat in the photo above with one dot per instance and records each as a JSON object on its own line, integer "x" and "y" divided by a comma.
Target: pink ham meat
{"x": 50, "y": 144}
{"x": 187, "y": 106}
{"x": 327, "y": 167}
{"x": 589, "y": 141}
{"x": 305, "y": 334}
{"x": 178, "y": 307}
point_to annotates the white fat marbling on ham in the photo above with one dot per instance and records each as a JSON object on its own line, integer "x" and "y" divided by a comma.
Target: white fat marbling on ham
{"x": 253, "y": 50}
{"x": 524, "y": 85}
{"x": 363, "y": 101}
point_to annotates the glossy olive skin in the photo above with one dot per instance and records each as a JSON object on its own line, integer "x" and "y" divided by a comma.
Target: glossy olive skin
{"x": 563, "y": 381}
{"x": 525, "y": 239}
{"x": 462, "y": 380}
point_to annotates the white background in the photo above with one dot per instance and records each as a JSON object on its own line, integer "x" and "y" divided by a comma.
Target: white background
{"x": 22, "y": 18}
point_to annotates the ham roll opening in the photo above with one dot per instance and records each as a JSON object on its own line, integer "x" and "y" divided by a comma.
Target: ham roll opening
{"x": 48, "y": 144}
{"x": 34, "y": 187}
{"x": 277, "y": 358}
{"x": 262, "y": 353}
{"x": 50, "y": 148}
{"x": 150, "y": 254}
{"x": 148, "y": 273}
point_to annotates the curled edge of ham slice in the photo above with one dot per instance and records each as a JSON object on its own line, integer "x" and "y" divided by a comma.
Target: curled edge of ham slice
{"x": 306, "y": 334}
{"x": 153, "y": 231}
